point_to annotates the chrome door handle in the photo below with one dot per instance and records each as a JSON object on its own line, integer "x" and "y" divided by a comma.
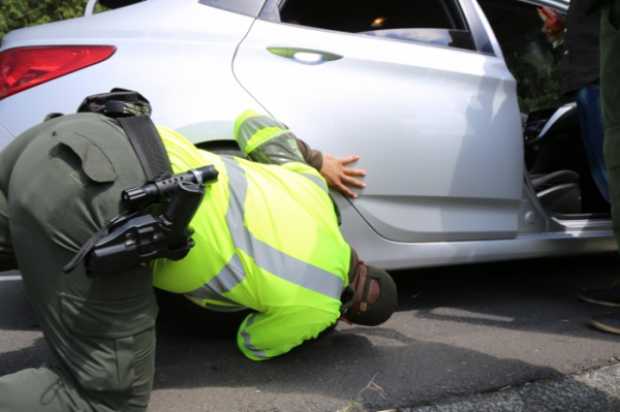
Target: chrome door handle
{"x": 304, "y": 56}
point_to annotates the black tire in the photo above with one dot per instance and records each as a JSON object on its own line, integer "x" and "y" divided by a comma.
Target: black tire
{"x": 225, "y": 148}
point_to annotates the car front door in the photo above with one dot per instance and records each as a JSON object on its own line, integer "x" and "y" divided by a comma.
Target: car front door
{"x": 407, "y": 86}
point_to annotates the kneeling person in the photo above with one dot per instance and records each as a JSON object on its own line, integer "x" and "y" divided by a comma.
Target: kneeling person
{"x": 267, "y": 239}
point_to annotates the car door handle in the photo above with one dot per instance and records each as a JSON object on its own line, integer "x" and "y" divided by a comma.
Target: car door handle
{"x": 304, "y": 56}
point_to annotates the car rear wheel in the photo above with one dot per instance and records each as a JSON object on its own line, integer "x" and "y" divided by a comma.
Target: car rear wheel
{"x": 223, "y": 147}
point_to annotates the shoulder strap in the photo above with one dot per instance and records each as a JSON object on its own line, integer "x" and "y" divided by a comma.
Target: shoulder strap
{"x": 147, "y": 144}
{"x": 132, "y": 112}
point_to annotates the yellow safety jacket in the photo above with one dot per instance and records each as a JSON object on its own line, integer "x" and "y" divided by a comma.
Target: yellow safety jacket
{"x": 266, "y": 238}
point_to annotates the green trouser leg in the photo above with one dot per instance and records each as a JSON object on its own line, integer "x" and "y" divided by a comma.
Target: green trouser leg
{"x": 7, "y": 161}
{"x": 61, "y": 188}
{"x": 7, "y": 258}
{"x": 610, "y": 103}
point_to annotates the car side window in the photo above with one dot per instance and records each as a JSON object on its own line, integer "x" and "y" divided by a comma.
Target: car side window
{"x": 438, "y": 22}
{"x": 532, "y": 51}
{"x": 247, "y": 7}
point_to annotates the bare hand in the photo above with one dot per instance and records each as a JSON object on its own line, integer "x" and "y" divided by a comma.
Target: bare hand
{"x": 341, "y": 177}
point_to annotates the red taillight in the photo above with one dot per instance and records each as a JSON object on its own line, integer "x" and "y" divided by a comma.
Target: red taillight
{"x": 25, "y": 67}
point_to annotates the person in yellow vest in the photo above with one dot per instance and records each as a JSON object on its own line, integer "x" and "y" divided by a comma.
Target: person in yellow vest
{"x": 267, "y": 238}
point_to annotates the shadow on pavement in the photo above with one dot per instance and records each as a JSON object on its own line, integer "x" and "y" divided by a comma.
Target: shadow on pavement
{"x": 531, "y": 295}
{"x": 344, "y": 365}
{"x": 399, "y": 364}
{"x": 29, "y": 357}
{"x": 347, "y": 366}
{"x": 15, "y": 311}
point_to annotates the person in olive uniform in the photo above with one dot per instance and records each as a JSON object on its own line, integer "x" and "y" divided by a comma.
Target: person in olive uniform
{"x": 60, "y": 184}
{"x": 610, "y": 105}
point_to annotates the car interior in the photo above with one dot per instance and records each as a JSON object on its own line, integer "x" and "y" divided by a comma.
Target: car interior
{"x": 363, "y": 16}
{"x": 563, "y": 148}
{"x": 440, "y": 22}
{"x": 563, "y": 152}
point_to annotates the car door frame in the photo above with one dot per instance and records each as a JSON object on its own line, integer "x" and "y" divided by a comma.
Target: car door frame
{"x": 380, "y": 251}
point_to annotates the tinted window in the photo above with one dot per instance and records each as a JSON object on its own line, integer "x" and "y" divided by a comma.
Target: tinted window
{"x": 247, "y": 7}
{"x": 360, "y": 16}
{"x": 438, "y": 22}
{"x": 531, "y": 55}
{"x": 115, "y": 4}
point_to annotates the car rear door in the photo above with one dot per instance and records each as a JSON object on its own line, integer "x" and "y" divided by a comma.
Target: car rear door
{"x": 412, "y": 89}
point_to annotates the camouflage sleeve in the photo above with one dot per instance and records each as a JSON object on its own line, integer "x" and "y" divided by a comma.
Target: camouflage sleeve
{"x": 265, "y": 140}
{"x": 313, "y": 157}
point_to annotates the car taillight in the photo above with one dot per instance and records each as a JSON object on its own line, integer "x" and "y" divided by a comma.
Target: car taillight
{"x": 24, "y": 67}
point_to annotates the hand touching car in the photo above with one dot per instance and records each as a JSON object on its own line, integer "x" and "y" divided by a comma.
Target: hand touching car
{"x": 338, "y": 175}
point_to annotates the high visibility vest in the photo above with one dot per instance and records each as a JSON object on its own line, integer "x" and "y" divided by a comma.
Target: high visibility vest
{"x": 266, "y": 238}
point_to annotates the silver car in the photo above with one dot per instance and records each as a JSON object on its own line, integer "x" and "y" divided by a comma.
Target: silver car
{"x": 453, "y": 105}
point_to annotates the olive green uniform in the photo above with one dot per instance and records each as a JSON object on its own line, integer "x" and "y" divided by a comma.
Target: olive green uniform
{"x": 60, "y": 183}
{"x": 610, "y": 102}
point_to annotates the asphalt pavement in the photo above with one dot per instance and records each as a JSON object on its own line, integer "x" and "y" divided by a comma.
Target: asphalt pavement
{"x": 480, "y": 333}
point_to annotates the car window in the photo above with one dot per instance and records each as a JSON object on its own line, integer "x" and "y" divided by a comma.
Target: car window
{"x": 115, "y": 4}
{"x": 438, "y": 22}
{"x": 531, "y": 52}
{"x": 247, "y": 7}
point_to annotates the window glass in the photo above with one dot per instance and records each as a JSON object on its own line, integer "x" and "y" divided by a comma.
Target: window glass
{"x": 361, "y": 16}
{"x": 115, "y": 4}
{"x": 438, "y": 37}
{"x": 247, "y": 7}
{"x": 437, "y": 22}
{"x": 531, "y": 50}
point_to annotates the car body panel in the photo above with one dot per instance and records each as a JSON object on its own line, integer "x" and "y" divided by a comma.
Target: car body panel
{"x": 400, "y": 255}
{"x": 451, "y": 190}
{"x": 182, "y": 63}
{"x": 410, "y": 113}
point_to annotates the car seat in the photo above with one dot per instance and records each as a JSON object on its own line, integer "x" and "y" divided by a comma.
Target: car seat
{"x": 558, "y": 191}
{"x": 558, "y": 188}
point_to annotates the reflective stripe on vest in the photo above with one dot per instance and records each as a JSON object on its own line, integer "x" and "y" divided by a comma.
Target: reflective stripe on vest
{"x": 256, "y": 130}
{"x": 309, "y": 172}
{"x": 317, "y": 180}
{"x": 208, "y": 296}
{"x": 266, "y": 256}
{"x": 247, "y": 341}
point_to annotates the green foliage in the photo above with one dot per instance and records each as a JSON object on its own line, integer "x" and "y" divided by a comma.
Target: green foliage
{"x": 20, "y": 13}
{"x": 535, "y": 65}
